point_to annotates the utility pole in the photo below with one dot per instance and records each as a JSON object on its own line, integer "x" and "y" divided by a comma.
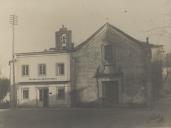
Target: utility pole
{"x": 13, "y": 22}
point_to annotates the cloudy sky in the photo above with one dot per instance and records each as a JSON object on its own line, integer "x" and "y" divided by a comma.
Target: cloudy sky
{"x": 39, "y": 19}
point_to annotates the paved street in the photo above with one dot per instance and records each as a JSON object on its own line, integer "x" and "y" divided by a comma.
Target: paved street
{"x": 75, "y": 118}
{"x": 158, "y": 117}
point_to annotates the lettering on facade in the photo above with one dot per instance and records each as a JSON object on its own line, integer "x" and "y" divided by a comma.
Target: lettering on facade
{"x": 42, "y": 78}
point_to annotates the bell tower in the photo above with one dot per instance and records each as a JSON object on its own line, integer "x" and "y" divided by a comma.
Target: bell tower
{"x": 64, "y": 39}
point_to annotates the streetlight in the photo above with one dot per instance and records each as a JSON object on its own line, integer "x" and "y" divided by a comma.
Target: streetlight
{"x": 13, "y": 22}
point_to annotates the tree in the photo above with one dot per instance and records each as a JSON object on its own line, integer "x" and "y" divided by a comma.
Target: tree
{"x": 4, "y": 88}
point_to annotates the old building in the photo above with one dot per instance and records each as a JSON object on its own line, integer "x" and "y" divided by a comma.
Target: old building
{"x": 42, "y": 79}
{"x": 110, "y": 68}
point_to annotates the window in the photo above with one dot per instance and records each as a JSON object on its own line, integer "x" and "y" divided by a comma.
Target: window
{"x": 25, "y": 93}
{"x": 108, "y": 56}
{"x": 42, "y": 69}
{"x": 60, "y": 69}
{"x": 61, "y": 93}
{"x": 25, "y": 70}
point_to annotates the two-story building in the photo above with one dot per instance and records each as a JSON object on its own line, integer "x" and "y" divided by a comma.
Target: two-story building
{"x": 43, "y": 78}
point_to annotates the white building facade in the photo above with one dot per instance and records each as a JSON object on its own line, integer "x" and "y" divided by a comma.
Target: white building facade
{"x": 43, "y": 79}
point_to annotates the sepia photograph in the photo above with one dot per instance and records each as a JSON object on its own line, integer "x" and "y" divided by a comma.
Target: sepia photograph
{"x": 85, "y": 64}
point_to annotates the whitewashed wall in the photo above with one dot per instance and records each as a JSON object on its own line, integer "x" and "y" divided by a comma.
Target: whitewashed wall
{"x": 50, "y": 60}
{"x": 33, "y": 60}
{"x": 33, "y": 99}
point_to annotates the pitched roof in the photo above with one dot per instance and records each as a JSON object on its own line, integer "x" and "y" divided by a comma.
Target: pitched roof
{"x": 108, "y": 26}
{"x": 105, "y": 27}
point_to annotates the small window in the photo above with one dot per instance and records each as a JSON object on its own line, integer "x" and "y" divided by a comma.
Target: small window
{"x": 108, "y": 54}
{"x": 25, "y": 70}
{"x": 60, "y": 69}
{"x": 42, "y": 69}
{"x": 61, "y": 93}
{"x": 25, "y": 93}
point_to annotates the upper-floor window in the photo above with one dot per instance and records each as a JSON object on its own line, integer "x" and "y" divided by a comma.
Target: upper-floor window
{"x": 60, "y": 69}
{"x": 42, "y": 69}
{"x": 25, "y": 70}
{"x": 108, "y": 53}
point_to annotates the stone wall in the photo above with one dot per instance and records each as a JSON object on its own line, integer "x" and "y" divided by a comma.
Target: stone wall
{"x": 130, "y": 60}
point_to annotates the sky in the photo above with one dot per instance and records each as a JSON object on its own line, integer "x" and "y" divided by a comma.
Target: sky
{"x": 39, "y": 19}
